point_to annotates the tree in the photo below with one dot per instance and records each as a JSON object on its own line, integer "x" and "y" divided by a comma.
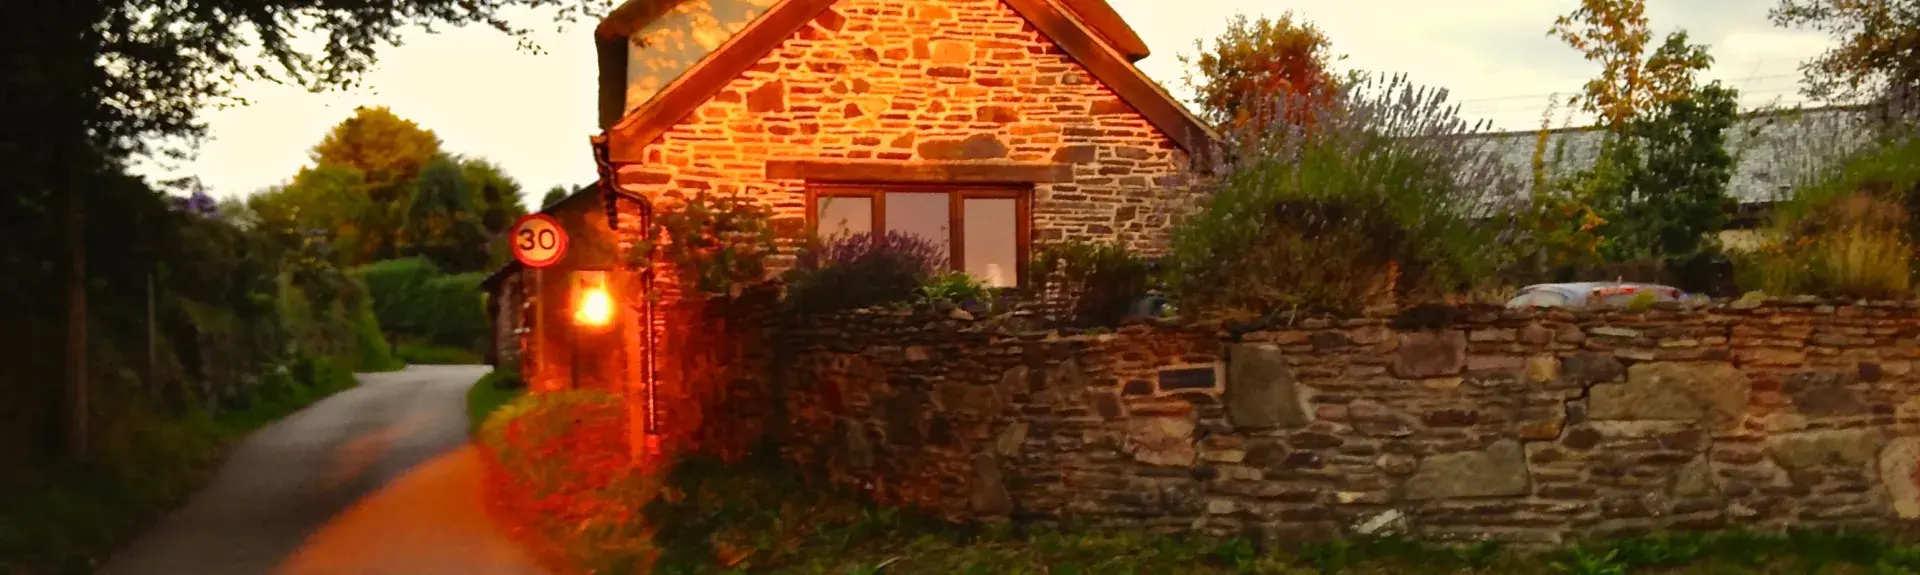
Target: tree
{"x": 383, "y": 147}
{"x": 328, "y": 199}
{"x": 389, "y": 152}
{"x": 1680, "y": 184}
{"x": 93, "y": 83}
{"x": 1878, "y": 52}
{"x": 1242, "y": 82}
{"x": 441, "y": 224}
{"x": 554, "y": 196}
{"x": 496, "y": 196}
{"x": 1615, "y": 34}
{"x": 1658, "y": 186}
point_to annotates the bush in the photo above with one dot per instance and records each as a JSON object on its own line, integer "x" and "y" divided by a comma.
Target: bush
{"x": 1089, "y": 285}
{"x": 64, "y": 518}
{"x": 1847, "y": 230}
{"x": 373, "y": 352}
{"x": 954, "y": 287}
{"x": 862, "y": 270}
{"x": 413, "y": 300}
{"x": 1387, "y": 197}
{"x": 714, "y": 244}
{"x": 558, "y": 463}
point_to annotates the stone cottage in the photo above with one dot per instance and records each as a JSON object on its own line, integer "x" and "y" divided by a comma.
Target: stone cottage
{"x": 987, "y": 126}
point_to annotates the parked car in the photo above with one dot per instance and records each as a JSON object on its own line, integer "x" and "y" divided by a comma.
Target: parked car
{"x": 1591, "y": 294}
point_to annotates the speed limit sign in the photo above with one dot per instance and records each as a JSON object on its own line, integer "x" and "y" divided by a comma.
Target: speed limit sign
{"x": 539, "y": 241}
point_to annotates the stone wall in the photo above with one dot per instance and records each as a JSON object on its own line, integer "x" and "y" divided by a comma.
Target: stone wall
{"x": 1524, "y": 426}
{"x": 946, "y": 80}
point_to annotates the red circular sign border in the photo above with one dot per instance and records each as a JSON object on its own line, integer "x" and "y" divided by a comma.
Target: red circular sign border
{"x": 558, "y": 252}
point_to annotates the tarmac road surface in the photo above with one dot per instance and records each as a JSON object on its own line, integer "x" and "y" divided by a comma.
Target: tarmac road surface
{"x": 377, "y": 479}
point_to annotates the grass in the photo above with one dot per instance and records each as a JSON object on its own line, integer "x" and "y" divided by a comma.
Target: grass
{"x": 67, "y": 518}
{"x": 417, "y": 353}
{"x": 493, "y": 391}
{"x": 761, "y": 519}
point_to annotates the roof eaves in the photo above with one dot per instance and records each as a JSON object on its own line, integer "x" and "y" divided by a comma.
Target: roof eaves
{"x": 630, "y": 16}
{"x": 1100, "y": 16}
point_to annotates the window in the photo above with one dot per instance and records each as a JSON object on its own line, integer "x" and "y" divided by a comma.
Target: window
{"x": 983, "y": 231}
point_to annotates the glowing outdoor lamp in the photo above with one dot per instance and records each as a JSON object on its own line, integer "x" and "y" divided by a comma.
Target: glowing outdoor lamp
{"x": 592, "y": 309}
{"x": 596, "y": 307}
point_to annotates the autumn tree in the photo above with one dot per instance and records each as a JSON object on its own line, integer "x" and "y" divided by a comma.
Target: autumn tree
{"x": 1615, "y": 34}
{"x": 1878, "y": 48}
{"x": 329, "y": 199}
{"x": 1252, "y": 69}
{"x": 389, "y": 152}
{"x": 1658, "y": 187}
{"x": 384, "y": 147}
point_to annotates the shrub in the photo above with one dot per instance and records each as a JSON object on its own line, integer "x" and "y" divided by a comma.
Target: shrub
{"x": 372, "y": 351}
{"x": 394, "y": 285}
{"x": 558, "y": 464}
{"x": 714, "y": 244}
{"x": 1860, "y": 251}
{"x": 861, "y": 270}
{"x": 1087, "y": 284}
{"x": 1386, "y": 198}
{"x": 413, "y": 300}
{"x": 955, "y": 287}
{"x": 1847, "y": 229}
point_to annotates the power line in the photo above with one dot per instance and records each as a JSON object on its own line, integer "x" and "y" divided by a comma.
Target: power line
{"x": 1542, "y": 96}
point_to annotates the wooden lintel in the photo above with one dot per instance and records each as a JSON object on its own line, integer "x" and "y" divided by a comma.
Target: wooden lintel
{"x": 874, "y": 171}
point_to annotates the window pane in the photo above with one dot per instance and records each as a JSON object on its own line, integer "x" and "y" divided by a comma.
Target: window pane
{"x": 993, "y": 241}
{"x": 844, "y": 215}
{"x": 921, "y": 214}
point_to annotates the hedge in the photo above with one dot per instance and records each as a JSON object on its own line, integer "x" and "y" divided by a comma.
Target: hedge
{"x": 414, "y": 300}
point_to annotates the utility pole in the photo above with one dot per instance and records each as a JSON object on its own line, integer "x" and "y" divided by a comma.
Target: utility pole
{"x": 76, "y": 288}
{"x": 153, "y": 333}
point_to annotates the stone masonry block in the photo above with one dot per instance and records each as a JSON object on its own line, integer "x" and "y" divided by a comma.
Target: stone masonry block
{"x": 1500, "y": 470}
{"x": 1430, "y": 354}
{"x": 1261, "y": 390}
{"x": 1715, "y": 394}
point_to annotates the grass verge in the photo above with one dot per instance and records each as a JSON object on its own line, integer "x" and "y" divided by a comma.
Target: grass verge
{"x": 68, "y": 518}
{"x": 494, "y": 390}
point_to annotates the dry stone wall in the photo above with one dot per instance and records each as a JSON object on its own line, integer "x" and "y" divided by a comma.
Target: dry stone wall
{"x": 1485, "y": 423}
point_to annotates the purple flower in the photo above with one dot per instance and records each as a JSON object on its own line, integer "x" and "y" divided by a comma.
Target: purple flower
{"x": 199, "y": 204}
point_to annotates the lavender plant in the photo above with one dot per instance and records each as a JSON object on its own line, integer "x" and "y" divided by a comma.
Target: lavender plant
{"x": 1381, "y": 195}
{"x": 861, "y": 270}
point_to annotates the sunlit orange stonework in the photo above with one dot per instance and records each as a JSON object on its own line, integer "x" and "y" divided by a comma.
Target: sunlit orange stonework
{"x": 1037, "y": 101}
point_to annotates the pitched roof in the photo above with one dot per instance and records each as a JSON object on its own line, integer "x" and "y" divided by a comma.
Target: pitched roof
{"x": 1767, "y": 147}
{"x": 492, "y": 281}
{"x": 1103, "y": 19}
{"x": 633, "y": 15}
{"x": 1090, "y": 31}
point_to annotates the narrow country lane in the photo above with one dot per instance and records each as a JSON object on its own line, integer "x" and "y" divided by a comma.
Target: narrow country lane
{"x": 377, "y": 479}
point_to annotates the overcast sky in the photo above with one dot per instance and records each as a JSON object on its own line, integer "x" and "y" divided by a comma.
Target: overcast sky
{"x": 532, "y": 113}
